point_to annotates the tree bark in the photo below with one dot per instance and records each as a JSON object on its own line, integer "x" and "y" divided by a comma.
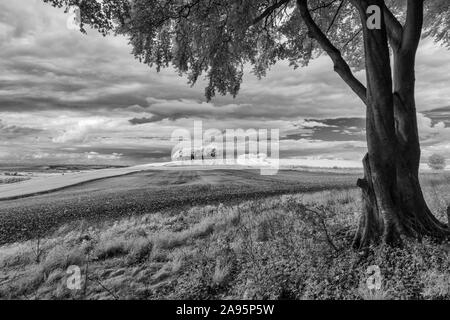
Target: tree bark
{"x": 380, "y": 162}
{"x": 417, "y": 218}
{"x": 371, "y": 224}
{"x": 393, "y": 202}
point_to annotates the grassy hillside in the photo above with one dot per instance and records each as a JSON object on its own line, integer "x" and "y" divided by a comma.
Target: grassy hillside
{"x": 295, "y": 246}
{"x": 149, "y": 192}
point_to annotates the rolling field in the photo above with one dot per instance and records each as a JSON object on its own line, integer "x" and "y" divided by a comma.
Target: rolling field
{"x": 203, "y": 234}
{"x": 151, "y": 191}
{"x": 212, "y": 234}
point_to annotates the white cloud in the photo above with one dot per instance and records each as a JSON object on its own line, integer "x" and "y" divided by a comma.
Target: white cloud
{"x": 312, "y": 124}
{"x": 427, "y": 129}
{"x": 70, "y": 90}
{"x": 435, "y": 138}
{"x": 81, "y": 130}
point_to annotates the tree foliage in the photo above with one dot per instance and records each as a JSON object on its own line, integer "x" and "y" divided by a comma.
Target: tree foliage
{"x": 218, "y": 38}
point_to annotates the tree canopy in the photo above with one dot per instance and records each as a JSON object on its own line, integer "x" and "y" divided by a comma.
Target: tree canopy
{"x": 218, "y": 38}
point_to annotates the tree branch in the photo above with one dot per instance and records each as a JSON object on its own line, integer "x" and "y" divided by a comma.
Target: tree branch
{"x": 323, "y": 6}
{"x": 352, "y": 38}
{"x": 270, "y": 10}
{"x": 413, "y": 25}
{"x": 394, "y": 28}
{"x": 336, "y": 14}
{"x": 340, "y": 66}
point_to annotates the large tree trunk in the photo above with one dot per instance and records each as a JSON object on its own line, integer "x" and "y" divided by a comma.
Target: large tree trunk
{"x": 393, "y": 203}
{"x": 380, "y": 219}
{"x": 417, "y": 219}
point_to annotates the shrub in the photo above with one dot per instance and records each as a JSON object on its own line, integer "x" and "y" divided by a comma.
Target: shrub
{"x": 140, "y": 251}
{"x": 110, "y": 249}
{"x": 436, "y": 162}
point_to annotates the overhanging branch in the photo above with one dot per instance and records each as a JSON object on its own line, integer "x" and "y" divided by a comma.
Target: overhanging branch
{"x": 336, "y": 14}
{"x": 270, "y": 10}
{"x": 413, "y": 25}
{"x": 393, "y": 27}
{"x": 340, "y": 65}
{"x": 323, "y": 6}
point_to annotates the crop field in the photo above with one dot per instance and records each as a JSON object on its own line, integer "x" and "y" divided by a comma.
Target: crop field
{"x": 211, "y": 235}
{"x": 148, "y": 192}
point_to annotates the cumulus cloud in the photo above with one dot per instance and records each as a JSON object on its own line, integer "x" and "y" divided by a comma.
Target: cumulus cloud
{"x": 80, "y": 131}
{"x": 434, "y": 135}
{"x": 161, "y": 109}
{"x": 312, "y": 124}
{"x": 427, "y": 129}
{"x": 60, "y": 89}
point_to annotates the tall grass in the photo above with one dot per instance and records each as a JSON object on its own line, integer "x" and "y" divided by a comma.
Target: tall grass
{"x": 285, "y": 247}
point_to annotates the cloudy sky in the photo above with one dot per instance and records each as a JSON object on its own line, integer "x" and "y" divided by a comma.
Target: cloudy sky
{"x": 68, "y": 97}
